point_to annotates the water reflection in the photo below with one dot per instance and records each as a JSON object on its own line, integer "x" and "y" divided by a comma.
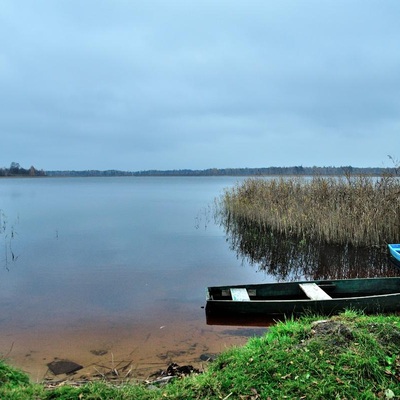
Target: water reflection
{"x": 289, "y": 258}
{"x": 241, "y": 320}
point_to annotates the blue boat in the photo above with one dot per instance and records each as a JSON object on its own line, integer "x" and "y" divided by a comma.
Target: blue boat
{"x": 394, "y": 254}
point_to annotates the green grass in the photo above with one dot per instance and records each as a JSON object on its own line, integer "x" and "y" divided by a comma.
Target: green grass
{"x": 350, "y": 356}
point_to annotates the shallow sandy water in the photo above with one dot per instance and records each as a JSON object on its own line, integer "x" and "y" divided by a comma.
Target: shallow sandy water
{"x": 146, "y": 347}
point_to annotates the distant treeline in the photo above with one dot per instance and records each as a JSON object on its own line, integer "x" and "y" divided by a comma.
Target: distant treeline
{"x": 268, "y": 171}
{"x": 16, "y": 170}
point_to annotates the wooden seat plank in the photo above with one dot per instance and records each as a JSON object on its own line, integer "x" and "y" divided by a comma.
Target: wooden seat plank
{"x": 314, "y": 292}
{"x": 239, "y": 294}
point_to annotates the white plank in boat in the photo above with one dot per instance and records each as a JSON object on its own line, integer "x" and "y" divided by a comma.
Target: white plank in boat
{"x": 240, "y": 294}
{"x": 314, "y": 292}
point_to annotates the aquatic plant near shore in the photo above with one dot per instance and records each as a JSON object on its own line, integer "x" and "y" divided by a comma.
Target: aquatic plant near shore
{"x": 9, "y": 235}
{"x": 361, "y": 211}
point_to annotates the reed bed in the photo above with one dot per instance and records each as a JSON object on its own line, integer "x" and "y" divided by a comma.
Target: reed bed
{"x": 361, "y": 211}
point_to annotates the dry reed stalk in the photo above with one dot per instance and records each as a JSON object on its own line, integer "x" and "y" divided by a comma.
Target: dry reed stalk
{"x": 361, "y": 211}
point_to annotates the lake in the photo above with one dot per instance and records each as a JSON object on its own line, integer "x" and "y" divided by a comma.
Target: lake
{"x": 107, "y": 271}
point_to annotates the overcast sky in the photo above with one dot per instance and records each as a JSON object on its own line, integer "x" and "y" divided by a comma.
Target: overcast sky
{"x": 174, "y": 84}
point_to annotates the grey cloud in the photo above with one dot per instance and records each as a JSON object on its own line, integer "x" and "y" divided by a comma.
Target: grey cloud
{"x": 155, "y": 81}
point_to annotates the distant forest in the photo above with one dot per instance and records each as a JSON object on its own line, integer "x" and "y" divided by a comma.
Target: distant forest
{"x": 16, "y": 170}
{"x": 268, "y": 171}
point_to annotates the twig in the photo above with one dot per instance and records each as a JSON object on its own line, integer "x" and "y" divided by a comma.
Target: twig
{"x": 9, "y": 351}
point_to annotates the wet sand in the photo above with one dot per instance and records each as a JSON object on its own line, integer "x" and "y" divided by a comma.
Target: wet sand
{"x": 102, "y": 346}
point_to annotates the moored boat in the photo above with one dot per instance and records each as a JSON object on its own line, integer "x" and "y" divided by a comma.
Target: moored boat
{"x": 394, "y": 254}
{"x": 370, "y": 295}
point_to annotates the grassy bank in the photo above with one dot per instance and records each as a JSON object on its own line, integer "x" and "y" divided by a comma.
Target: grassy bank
{"x": 360, "y": 211}
{"x": 350, "y": 356}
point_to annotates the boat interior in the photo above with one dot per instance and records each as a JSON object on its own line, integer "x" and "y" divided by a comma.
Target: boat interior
{"x": 299, "y": 291}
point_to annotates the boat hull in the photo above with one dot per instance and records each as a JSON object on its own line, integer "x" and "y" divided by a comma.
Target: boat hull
{"x": 394, "y": 254}
{"x": 373, "y": 295}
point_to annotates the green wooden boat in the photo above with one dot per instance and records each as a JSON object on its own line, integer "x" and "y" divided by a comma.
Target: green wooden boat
{"x": 370, "y": 295}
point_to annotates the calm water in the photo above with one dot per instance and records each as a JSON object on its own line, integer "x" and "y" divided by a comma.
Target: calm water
{"x": 94, "y": 267}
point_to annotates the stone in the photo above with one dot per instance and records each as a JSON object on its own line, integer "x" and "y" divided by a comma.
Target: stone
{"x": 59, "y": 367}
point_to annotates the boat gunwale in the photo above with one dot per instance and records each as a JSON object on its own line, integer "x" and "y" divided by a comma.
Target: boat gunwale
{"x": 319, "y": 282}
{"x": 372, "y": 296}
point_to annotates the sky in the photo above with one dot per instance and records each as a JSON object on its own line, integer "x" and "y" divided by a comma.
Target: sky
{"x": 183, "y": 84}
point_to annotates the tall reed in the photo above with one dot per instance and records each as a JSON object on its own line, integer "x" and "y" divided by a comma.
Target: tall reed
{"x": 361, "y": 211}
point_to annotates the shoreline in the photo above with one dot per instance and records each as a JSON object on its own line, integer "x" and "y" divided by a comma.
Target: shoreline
{"x": 99, "y": 351}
